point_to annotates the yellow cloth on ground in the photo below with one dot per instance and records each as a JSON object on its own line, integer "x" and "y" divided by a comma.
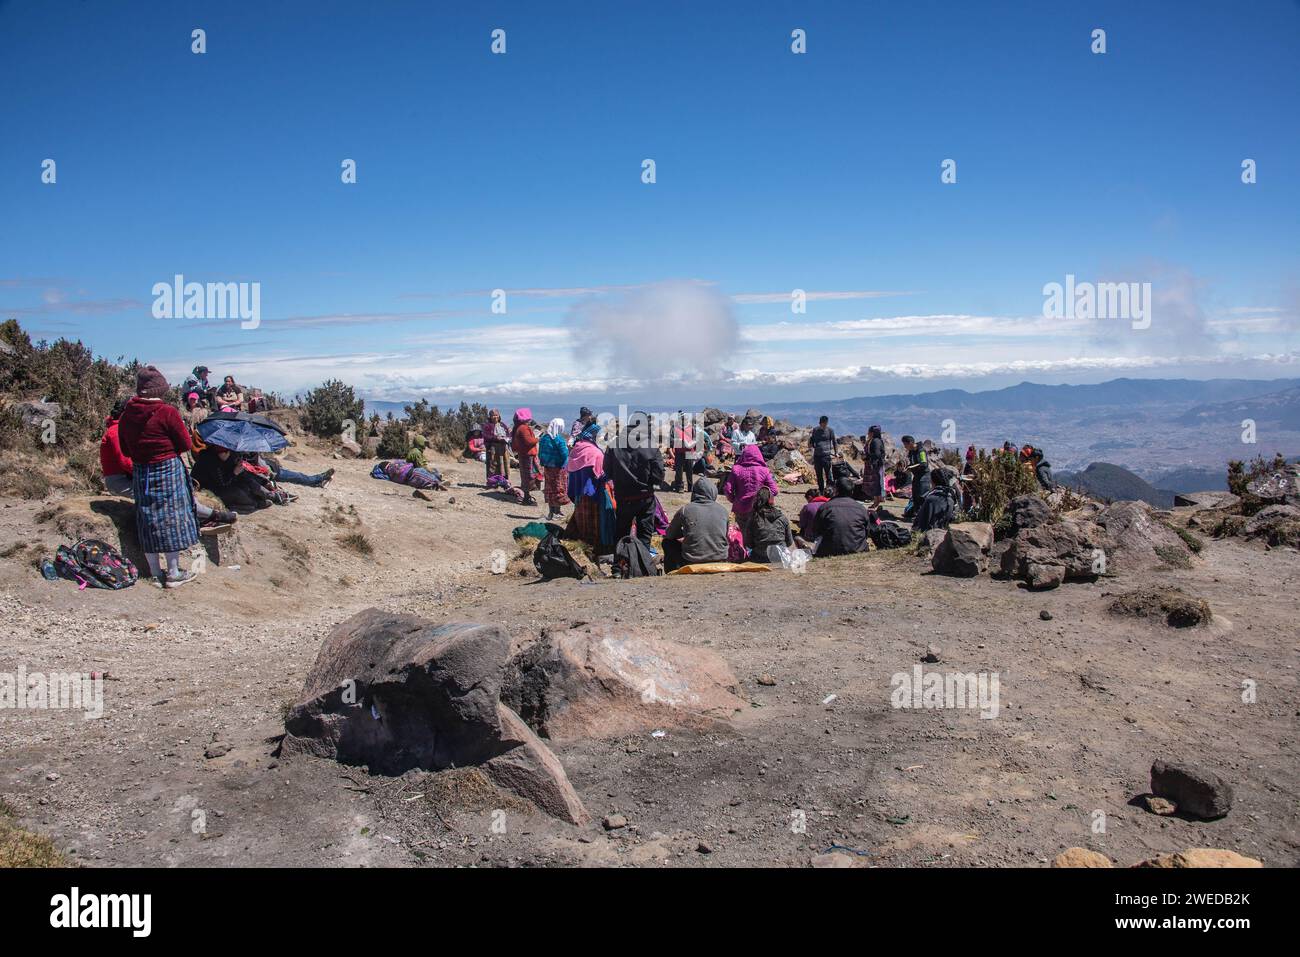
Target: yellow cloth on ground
{"x": 717, "y": 568}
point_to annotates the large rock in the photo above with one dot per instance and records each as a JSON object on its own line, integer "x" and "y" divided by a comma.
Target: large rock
{"x": 1176, "y": 607}
{"x": 1201, "y": 857}
{"x": 1206, "y": 500}
{"x": 1274, "y": 524}
{"x": 1196, "y": 791}
{"x": 1137, "y": 537}
{"x": 1027, "y": 511}
{"x": 1280, "y": 488}
{"x": 596, "y": 681}
{"x": 964, "y": 551}
{"x": 396, "y": 692}
{"x": 1046, "y": 555}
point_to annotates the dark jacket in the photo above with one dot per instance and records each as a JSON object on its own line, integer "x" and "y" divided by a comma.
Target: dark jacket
{"x": 876, "y": 452}
{"x": 767, "y": 527}
{"x": 842, "y": 525}
{"x": 823, "y": 443}
{"x": 635, "y": 473}
{"x": 701, "y": 525}
{"x": 936, "y": 510}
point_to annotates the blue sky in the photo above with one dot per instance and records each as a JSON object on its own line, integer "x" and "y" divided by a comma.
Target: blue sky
{"x": 775, "y": 171}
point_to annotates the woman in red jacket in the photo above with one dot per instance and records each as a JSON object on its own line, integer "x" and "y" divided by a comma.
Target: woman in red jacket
{"x": 523, "y": 441}
{"x": 154, "y": 436}
{"x": 116, "y": 468}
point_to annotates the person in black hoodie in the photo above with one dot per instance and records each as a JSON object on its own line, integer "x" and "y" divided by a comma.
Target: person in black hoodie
{"x": 636, "y": 467}
{"x": 842, "y": 523}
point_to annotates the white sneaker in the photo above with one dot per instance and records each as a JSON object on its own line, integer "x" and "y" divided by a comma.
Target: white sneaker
{"x": 177, "y": 579}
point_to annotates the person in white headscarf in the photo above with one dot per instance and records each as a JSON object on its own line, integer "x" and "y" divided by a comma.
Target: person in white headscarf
{"x": 553, "y": 453}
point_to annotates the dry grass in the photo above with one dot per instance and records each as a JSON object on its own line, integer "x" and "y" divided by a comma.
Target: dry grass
{"x": 20, "y": 848}
{"x": 356, "y": 542}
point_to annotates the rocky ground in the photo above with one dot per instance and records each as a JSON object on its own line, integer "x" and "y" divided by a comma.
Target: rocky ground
{"x": 181, "y": 769}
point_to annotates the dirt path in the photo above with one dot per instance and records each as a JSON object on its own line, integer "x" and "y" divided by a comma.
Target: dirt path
{"x": 1086, "y": 702}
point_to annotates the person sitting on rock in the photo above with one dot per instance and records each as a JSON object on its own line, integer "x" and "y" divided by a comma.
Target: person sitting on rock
{"x": 939, "y": 507}
{"x": 698, "y": 532}
{"x": 841, "y": 525}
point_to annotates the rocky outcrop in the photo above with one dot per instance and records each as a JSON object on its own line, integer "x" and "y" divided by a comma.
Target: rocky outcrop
{"x": 597, "y": 682}
{"x": 1176, "y": 607}
{"x": 395, "y": 692}
{"x": 964, "y": 551}
{"x": 1044, "y": 556}
{"x": 1201, "y": 857}
{"x": 1280, "y": 487}
{"x": 1136, "y": 536}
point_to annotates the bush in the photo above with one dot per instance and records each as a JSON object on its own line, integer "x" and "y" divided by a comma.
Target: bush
{"x": 997, "y": 479}
{"x": 328, "y": 406}
{"x": 446, "y": 431}
{"x": 393, "y": 441}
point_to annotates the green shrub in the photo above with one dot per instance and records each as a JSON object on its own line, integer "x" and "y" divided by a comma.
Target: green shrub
{"x": 326, "y": 407}
{"x": 997, "y": 479}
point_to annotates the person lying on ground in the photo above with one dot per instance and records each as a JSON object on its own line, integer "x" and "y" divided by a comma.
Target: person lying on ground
{"x": 747, "y": 476}
{"x": 698, "y": 532}
{"x": 768, "y": 526}
{"x": 280, "y": 474}
{"x": 841, "y": 524}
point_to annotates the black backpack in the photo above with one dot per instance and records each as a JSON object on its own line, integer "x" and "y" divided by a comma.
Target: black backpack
{"x": 632, "y": 559}
{"x": 95, "y": 564}
{"x": 552, "y": 559}
{"x": 888, "y": 534}
{"x": 841, "y": 470}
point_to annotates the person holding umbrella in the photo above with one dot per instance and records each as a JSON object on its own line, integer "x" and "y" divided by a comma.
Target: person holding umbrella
{"x": 153, "y": 436}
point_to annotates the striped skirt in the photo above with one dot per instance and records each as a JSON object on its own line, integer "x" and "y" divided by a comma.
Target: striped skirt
{"x": 164, "y": 507}
{"x": 556, "y": 486}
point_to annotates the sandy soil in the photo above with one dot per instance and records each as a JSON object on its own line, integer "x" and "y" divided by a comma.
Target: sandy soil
{"x": 1087, "y": 701}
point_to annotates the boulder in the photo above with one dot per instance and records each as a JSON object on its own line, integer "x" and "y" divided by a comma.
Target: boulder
{"x": 1275, "y": 525}
{"x": 1196, "y": 791}
{"x": 1201, "y": 857}
{"x": 1206, "y": 500}
{"x": 713, "y": 417}
{"x": 222, "y": 545}
{"x": 34, "y": 413}
{"x": 349, "y": 449}
{"x": 395, "y": 692}
{"x": 597, "y": 681}
{"x": 964, "y": 551}
{"x": 1027, "y": 511}
{"x": 1081, "y": 857}
{"x": 1137, "y": 537}
{"x": 1046, "y": 555}
{"x": 1279, "y": 488}
{"x": 934, "y": 537}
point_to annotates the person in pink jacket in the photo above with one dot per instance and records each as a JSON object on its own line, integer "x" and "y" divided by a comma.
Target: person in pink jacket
{"x": 748, "y": 475}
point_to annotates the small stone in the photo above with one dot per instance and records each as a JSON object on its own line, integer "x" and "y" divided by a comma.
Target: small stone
{"x": 833, "y": 859}
{"x": 766, "y": 681}
{"x": 614, "y": 821}
{"x": 1159, "y": 805}
{"x": 1045, "y": 615}
{"x": 216, "y": 749}
{"x": 933, "y": 654}
{"x": 704, "y": 847}
{"x": 52, "y": 776}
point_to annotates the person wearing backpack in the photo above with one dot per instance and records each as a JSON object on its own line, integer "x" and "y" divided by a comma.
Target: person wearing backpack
{"x": 636, "y": 467}
{"x": 939, "y": 506}
{"x": 822, "y": 441}
{"x": 154, "y": 437}
{"x": 747, "y": 476}
{"x": 553, "y": 454}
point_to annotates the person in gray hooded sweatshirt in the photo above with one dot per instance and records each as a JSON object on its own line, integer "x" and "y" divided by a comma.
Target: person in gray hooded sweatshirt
{"x": 698, "y": 532}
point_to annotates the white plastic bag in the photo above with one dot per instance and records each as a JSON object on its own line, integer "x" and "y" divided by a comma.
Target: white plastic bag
{"x": 792, "y": 559}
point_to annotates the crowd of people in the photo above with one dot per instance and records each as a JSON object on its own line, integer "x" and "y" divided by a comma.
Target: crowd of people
{"x": 144, "y": 452}
{"x": 612, "y": 486}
